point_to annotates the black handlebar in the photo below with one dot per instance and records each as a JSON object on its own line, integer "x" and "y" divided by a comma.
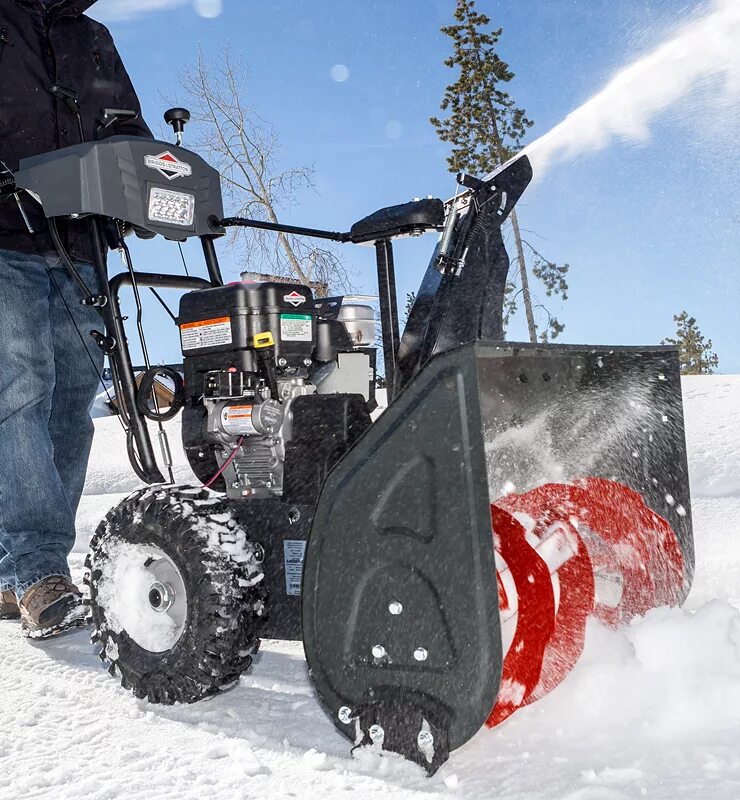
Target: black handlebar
{"x": 241, "y": 222}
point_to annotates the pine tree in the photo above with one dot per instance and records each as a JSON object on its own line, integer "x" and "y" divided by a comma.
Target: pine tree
{"x": 410, "y": 300}
{"x": 486, "y": 128}
{"x": 695, "y": 352}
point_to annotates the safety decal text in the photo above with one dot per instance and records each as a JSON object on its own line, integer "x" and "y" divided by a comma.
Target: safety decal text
{"x": 206, "y": 333}
{"x": 295, "y": 552}
{"x": 296, "y": 327}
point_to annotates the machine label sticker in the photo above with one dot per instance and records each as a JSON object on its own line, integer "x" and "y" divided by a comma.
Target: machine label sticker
{"x": 206, "y": 333}
{"x": 168, "y": 165}
{"x": 237, "y": 420}
{"x": 295, "y": 552}
{"x": 296, "y": 328}
{"x": 294, "y": 298}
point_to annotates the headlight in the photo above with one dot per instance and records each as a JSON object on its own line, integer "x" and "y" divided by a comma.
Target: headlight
{"x": 172, "y": 208}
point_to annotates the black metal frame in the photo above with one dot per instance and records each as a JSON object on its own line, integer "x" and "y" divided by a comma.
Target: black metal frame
{"x": 115, "y": 344}
{"x": 388, "y": 311}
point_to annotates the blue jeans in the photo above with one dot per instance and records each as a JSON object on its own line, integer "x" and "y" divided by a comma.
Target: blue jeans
{"x": 47, "y": 384}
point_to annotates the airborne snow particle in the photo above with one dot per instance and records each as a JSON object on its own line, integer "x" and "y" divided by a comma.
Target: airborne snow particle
{"x": 339, "y": 73}
{"x": 393, "y": 129}
{"x": 208, "y": 8}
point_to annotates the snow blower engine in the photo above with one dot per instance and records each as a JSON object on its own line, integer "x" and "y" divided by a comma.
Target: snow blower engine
{"x": 250, "y": 351}
{"x": 440, "y": 559}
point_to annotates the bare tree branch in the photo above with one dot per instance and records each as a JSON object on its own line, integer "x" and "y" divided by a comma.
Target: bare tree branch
{"x": 244, "y": 147}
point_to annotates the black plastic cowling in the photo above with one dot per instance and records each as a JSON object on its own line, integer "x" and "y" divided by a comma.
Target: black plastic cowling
{"x": 388, "y": 223}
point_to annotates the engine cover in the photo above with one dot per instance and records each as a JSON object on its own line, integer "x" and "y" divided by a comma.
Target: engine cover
{"x": 218, "y": 326}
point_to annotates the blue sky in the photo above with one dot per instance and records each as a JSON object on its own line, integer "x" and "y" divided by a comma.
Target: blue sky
{"x": 648, "y": 230}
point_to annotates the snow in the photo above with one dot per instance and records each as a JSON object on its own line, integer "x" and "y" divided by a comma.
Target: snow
{"x": 123, "y": 581}
{"x": 652, "y": 710}
{"x": 701, "y": 59}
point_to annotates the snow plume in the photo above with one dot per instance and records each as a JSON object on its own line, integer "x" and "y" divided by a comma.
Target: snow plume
{"x": 113, "y": 10}
{"x": 703, "y": 57}
{"x": 564, "y": 441}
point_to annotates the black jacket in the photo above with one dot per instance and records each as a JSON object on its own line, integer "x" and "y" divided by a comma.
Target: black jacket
{"x": 41, "y": 47}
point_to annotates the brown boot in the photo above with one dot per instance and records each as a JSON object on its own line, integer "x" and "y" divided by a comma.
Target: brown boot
{"x": 50, "y": 607}
{"x": 9, "y": 605}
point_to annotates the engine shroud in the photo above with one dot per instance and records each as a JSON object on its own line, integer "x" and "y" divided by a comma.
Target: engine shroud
{"x": 218, "y": 326}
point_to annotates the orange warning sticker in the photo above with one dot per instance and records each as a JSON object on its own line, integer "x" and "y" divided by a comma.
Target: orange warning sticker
{"x": 232, "y": 412}
{"x": 206, "y": 333}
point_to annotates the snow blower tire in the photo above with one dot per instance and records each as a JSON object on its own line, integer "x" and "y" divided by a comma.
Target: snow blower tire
{"x": 176, "y": 594}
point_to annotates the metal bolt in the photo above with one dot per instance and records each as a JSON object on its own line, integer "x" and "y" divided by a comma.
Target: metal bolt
{"x": 395, "y": 608}
{"x": 378, "y": 651}
{"x": 282, "y": 362}
{"x": 420, "y": 654}
{"x": 259, "y": 553}
{"x": 425, "y": 740}
{"x": 377, "y": 734}
{"x": 307, "y": 362}
{"x": 345, "y": 715}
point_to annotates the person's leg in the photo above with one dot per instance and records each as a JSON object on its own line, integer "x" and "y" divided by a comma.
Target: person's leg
{"x": 79, "y": 362}
{"x": 7, "y": 571}
{"x": 36, "y": 519}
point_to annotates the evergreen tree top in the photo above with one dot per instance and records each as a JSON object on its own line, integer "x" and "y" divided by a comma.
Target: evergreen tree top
{"x": 694, "y": 351}
{"x": 483, "y": 125}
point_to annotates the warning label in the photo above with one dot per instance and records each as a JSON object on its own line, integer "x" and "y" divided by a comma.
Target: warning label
{"x": 295, "y": 327}
{"x": 237, "y": 420}
{"x": 295, "y": 552}
{"x": 206, "y": 333}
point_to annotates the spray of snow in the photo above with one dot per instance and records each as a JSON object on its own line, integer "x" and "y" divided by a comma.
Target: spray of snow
{"x": 703, "y": 57}
{"x": 564, "y": 440}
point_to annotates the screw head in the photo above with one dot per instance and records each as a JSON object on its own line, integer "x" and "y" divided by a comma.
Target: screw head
{"x": 377, "y": 734}
{"x": 395, "y": 608}
{"x": 378, "y": 651}
{"x": 425, "y": 740}
{"x": 345, "y": 715}
{"x": 420, "y": 654}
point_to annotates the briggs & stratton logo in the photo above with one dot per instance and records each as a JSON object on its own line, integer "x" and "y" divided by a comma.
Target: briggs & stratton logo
{"x": 294, "y": 299}
{"x": 168, "y": 165}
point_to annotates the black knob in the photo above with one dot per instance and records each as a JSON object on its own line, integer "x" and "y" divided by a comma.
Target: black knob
{"x": 178, "y": 118}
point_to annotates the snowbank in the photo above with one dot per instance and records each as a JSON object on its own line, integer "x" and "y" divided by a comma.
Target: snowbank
{"x": 712, "y": 413}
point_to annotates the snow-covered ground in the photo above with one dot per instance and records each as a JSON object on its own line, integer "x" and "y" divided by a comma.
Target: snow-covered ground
{"x": 650, "y": 711}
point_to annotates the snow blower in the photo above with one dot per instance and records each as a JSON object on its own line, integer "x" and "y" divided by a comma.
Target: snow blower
{"x": 439, "y": 562}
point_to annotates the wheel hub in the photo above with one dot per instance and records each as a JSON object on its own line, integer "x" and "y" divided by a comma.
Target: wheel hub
{"x": 144, "y": 593}
{"x": 166, "y": 595}
{"x": 161, "y": 597}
